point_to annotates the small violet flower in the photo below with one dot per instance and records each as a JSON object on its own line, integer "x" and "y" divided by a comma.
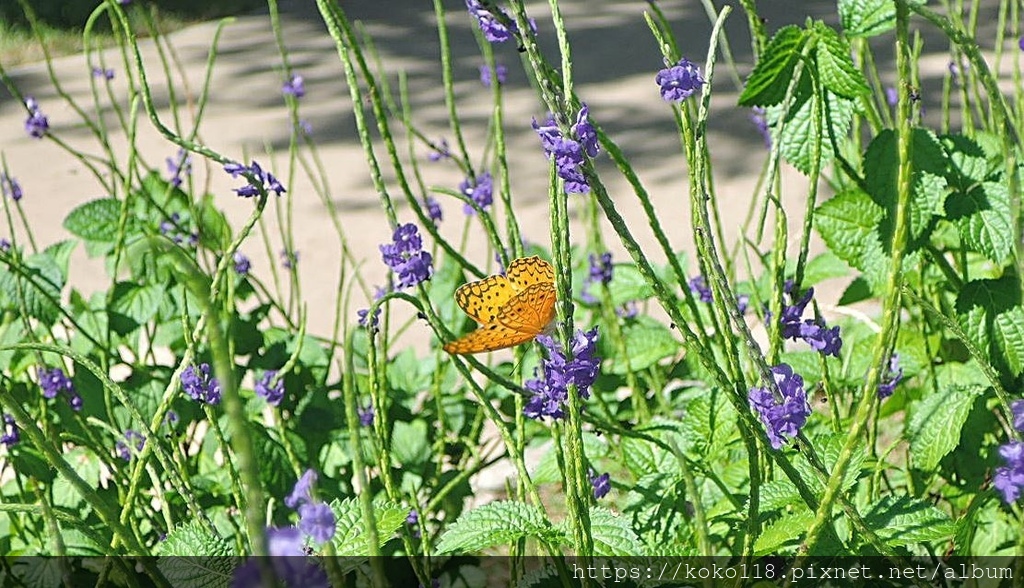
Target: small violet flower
{"x": 9, "y": 435}
{"x": 439, "y": 151}
{"x": 317, "y": 521}
{"x": 36, "y": 125}
{"x": 781, "y": 417}
{"x": 567, "y": 152}
{"x": 699, "y": 286}
{"x": 500, "y": 73}
{"x": 550, "y": 391}
{"x": 493, "y": 28}
{"x": 294, "y": 86}
{"x": 242, "y": 263}
{"x": 200, "y": 385}
{"x": 891, "y": 378}
{"x": 99, "y": 72}
{"x": 433, "y": 209}
{"x": 759, "y": 117}
{"x": 133, "y": 440}
{"x": 1009, "y": 479}
{"x": 10, "y": 187}
{"x": 814, "y": 332}
{"x": 179, "y": 166}
{"x": 480, "y": 191}
{"x": 405, "y": 256}
{"x": 680, "y": 81}
{"x": 257, "y": 178}
{"x": 601, "y": 269}
{"x": 54, "y": 381}
{"x": 1017, "y": 408}
{"x": 269, "y": 389}
{"x": 365, "y": 415}
{"x": 289, "y": 259}
{"x": 602, "y": 484}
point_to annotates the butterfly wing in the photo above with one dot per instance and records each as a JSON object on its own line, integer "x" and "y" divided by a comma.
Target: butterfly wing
{"x": 531, "y": 310}
{"x": 482, "y": 300}
{"x": 527, "y": 271}
{"x": 488, "y": 338}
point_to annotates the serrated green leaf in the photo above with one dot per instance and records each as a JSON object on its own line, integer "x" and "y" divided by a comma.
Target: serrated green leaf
{"x": 979, "y": 305}
{"x": 497, "y": 523}
{"x": 836, "y": 70}
{"x": 936, "y": 422}
{"x": 903, "y": 521}
{"x": 969, "y": 164}
{"x": 848, "y": 223}
{"x": 38, "y": 572}
{"x": 770, "y": 78}
{"x": 825, "y": 266}
{"x": 1009, "y": 332}
{"x": 982, "y": 217}
{"x": 613, "y": 535}
{"x": 790, "y": 527}
{"x": 628, "y": 285}
{"x": 647, "y": 341}
{"x": 272, "y": 459}
{"x": 350, "y": 535}
{"x": 138, "y": 303}
{"x": 800, "y": 134}
{"x": 866, "y": 18}
{"x": 60, "y": 252}
{"x": 778, "y": 494}
{"x": 443, "y": 284}
{"x": 95, "y": 220}
{"x": 192, "y": 555}
{"x": 193, "y": 539}
{"x": 410, "y": 446}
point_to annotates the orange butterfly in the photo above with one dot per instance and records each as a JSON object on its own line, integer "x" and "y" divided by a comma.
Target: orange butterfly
{"x": 511, "y": 309}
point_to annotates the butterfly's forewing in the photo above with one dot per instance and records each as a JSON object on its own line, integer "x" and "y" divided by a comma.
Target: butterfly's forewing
{"x": 487, "y": 338}
{"x": 527, "y": 271}
{"x": 531, "y": 310}
{"x": 483, "y": 300}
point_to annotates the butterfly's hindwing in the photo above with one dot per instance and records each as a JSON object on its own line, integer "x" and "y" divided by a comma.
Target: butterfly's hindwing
{"x": 531, "y": 310}
{"x": 482, "y": 300}
{"x": 487, "y": 338}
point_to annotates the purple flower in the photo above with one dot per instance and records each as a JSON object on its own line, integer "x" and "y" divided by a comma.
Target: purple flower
{"x": 814, "y": 332}
{"x": 891, "y": 378}
{"x": 433, "y": 209}
{"x": 99, "y": 72}
{"x": 550, "y": 391}
{"x": 1020, "y": 42}
{"x": 179, "y": 166}
{"x": 289, "y": 259}
{"x": 680, "y": 81}
{"x": 365, "y": 320}
{"x": 295, "y": 86}
{"x": 600, "y": 273}
{"x": 699, "y": 286}
{"x": 892, "y": 96}
{"x": 742, "y": 303}
{"x": 36, "y": 125}
{"x": 5, "y": 245}
{"x": 628, "y": 310}
{"x": 486, "y": 76}
{"x": 492, "y": 27}
{"x": 302, "y": 492}
{"x": 54, "y": 381}
{"x": 405, "y": 256}
{"x": 566, "y": 152}
{"x": 171, "y": 419}
{"x": 440, "y": 151}
{"x": 480, "y": 191}
{"x": 284, "y": 542}
{"x": 132, "y": 440}
{"x": 365, "y": 415}
{"x": 1017, "y": 408}
{"x": 317, "y": 521}
{"x": 759, "y": 117}
{"x": 242, "y": 263}
{"x": 200, "y": 385}
{"x": 1009, "y": 479}
{"x": 305, "y": 126}
{"x": 10, "y": 187}
{"x": 781, "y": 417}
{"x": 269, "y": 389}
{"x": 602, "y": 484}
{"x": 9, "y": 432}
{"x": 257, "y": 177}
{"x": 413, "y": 518}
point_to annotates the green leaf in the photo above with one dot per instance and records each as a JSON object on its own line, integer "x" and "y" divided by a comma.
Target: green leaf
{"x": 646, "y": 342}
{"x": 836, "y": 70}
{"x": 95, "y": 220}
{"x": 903, "y": 521}
{"x": 982, "y": 217}
{"x": 800, "y": 133}
{"x": 867, "y": 18}
{"x": 787, "y": 529}
{"x": 825, "y": 266}
{"x": 627, "y": 285}
{"x": 38, "y": 283}
{"x": 193, "y": 556}
{"x": 1009, "y": 332}
{"x": 767, "y": 84}
{"x": 613, "y": 535}
{"x": 936, "y": 422}
{"x": 410, "y": 446}
{"x": 350, "y": 538}
{"x": 132, "y": 305}
{"x": 441, "y": 293}
{"x": 272, "y": 460}
{"x": 989, "y": 311}
{"x": 497, "y": 523}
{"x": 848, "y": 223}
{"x": 60, "y": 252}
